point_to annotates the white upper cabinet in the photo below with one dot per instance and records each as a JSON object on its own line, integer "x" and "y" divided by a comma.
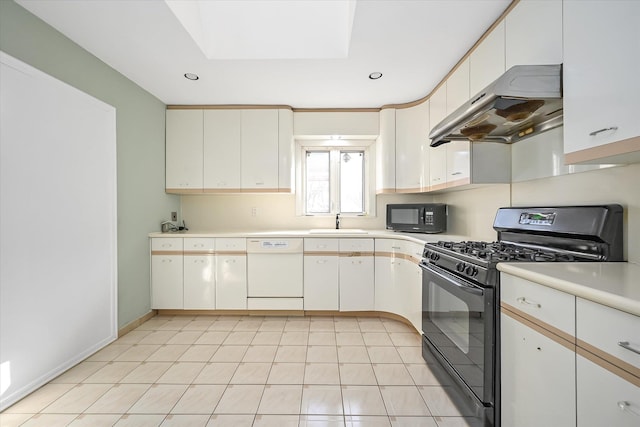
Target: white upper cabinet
{"x": 601, "y": 85}
{"x": 386, "y": 152}
{"x": 229, "y": 150}
{"x": 285, "y": 151}
{"x": 259, "y": 150}
{"x": 324, "y": 124}
{"x": 412, "y": 131}
{"x": 438, "y": 155}
{"x": 222, "y": 150}
{"x": 184, "y": 151}
{"x": 534, "y": 33}
{"x": 487, "y": 62}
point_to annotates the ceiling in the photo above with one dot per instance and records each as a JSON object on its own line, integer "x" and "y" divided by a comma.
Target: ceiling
{"x": 413, "y": 43}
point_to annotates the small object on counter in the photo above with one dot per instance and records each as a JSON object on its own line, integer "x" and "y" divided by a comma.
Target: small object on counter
{"x": 184, "y": 226}
{"x": 168, "y": 227}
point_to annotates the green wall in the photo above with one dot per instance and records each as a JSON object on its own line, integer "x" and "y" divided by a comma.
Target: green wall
{"x": 142, "y": 202}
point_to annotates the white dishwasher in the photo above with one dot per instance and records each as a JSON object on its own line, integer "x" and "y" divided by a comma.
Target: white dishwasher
{"x": 274, "y": 274}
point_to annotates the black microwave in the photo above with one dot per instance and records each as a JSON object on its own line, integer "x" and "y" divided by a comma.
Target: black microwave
{"x": 417, "y": 217}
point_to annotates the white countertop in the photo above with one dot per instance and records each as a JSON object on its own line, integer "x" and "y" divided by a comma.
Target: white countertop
{"x": 614, "y": 284}
{"x": 320, "y": 233}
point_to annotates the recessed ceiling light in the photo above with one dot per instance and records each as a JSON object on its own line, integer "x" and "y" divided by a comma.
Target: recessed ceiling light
{"x": 191, "y": 76}
{"x": 375, "y": 76}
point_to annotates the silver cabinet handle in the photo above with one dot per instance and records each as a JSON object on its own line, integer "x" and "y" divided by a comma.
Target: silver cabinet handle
{"x": 627, "y": 345}
{"x": 595, "y": 132}
{"x": 626, "y": 407}
{"x": 523, "y": 300}
{"x": 457, "y": 173}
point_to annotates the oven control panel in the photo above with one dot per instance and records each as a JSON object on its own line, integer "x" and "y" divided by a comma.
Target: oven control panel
{"x": 537, "y": 218}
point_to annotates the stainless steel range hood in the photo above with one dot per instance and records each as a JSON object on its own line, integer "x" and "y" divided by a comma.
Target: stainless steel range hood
{"x": 524, "y": 101}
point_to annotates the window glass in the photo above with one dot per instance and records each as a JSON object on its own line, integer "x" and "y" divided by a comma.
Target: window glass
{"x": 352, "y": 181}
{"x": 317, "y": 191}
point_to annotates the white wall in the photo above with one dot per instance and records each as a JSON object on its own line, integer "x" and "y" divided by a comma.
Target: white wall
{"x": 471, "y": 212}
{"x": 58, "y": 260}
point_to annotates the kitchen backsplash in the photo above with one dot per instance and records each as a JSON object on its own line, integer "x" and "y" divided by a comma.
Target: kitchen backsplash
{"x": 234, "y": 212}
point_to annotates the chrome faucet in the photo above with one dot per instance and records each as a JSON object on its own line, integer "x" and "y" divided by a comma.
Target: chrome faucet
{"x": 338, "y": 221}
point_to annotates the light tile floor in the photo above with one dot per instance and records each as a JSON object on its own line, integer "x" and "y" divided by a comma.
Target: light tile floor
{"x": 247, "y": 371}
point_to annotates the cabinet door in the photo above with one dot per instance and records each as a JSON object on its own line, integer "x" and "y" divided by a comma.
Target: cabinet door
{"x": 184, "y": 130}
{"x": 385, "y": 293}
{"x": 357, "y": 283}
{"x": 411, "y": 290}
{"x": 458, "y": 152}
{"x": 231, "y": 282}
{"x": 438, "y": 155}
{"x": 487, "y": 61}
{"x": 286, "y": 168}
{"x": 605, "y": 399}
{"x": 259, "y": 149}
{"x": 412, "y": 131}
{"x": 199, "y": 282}
{"x": 199, "y": 273}
{"x": 222, "y": 150}
{"x": 321, "y": 291}
{"x": 537, "y": 378}
{"x": 166, "y": 282}
{"x": 386, "y": 152}
{"x": 600, "y": 76}
{"x": 527, "y": 19}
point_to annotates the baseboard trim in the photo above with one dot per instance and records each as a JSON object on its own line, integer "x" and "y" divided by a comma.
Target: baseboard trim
{"x": 135, "y": 323}
{"x": 309, "y": 313}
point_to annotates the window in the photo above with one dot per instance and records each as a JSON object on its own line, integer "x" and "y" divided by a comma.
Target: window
{"x": 334, "y": 180}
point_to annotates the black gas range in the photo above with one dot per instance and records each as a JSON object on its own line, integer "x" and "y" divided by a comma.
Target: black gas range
{"x": 461, "y": 286}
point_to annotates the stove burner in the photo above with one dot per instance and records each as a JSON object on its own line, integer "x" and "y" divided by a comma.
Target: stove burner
{"x": 499, "y": 251}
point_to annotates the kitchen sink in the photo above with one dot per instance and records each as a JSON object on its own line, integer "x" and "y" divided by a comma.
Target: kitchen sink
{"x": 338, "y": 231}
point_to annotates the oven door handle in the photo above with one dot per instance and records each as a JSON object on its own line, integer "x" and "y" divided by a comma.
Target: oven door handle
{"x": 460, "y": 285}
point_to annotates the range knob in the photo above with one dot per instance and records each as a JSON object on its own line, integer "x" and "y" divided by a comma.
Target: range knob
{"x": 471, "y": 271}
{"x": 460, "y": 267}
{"x": 434, "y": 256}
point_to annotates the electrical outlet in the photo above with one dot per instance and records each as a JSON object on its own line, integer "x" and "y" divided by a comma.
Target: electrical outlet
{"x": 174, "y": 216}
{"x": 254, "y": 211}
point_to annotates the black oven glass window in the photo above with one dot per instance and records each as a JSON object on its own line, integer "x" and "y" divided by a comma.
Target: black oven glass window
{"x": 455, "y": 323}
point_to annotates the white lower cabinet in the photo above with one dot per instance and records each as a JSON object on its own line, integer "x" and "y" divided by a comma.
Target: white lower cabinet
{"x": 356, "y": 272}
{"x": 321, "y": 281}
{"x": 608, "y": 356}
{"x": 199, "y": 274}
{"x": 538, "y": 378}
{"x": 537, "y": 337}
{"x": 231, "y": 274}
{"x": 566, "y": 361}
{"x": 166, "y": 273}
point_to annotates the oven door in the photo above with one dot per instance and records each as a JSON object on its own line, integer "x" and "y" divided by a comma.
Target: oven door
{"x": 458, "y": 321}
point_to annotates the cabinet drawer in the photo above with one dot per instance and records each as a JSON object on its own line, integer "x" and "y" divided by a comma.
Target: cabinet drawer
{"x": 604, "y": 327}
{"x": 231, "y": 244}
{"x": 390, "y": 246}
{"x": 166, "y": 244}
{"x": 321, "y": 245}
{"x": 356, "y": 245}
{"x": 199, "y": 244}
{"x": 553, "y": 307}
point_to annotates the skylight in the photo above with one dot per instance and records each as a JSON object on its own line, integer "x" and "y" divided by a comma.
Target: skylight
{"x": 268, "y": 29}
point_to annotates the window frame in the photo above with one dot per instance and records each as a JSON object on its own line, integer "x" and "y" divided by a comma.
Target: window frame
{"x": 335, "y": 147}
